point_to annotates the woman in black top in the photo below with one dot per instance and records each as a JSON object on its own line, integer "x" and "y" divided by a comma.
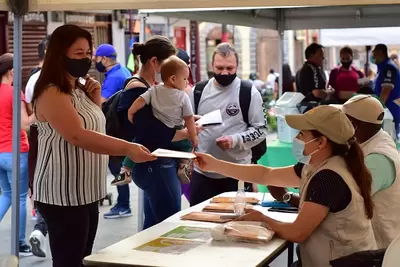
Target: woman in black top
{"x": 334, "y": 182}
{"x": 159, "y": 180}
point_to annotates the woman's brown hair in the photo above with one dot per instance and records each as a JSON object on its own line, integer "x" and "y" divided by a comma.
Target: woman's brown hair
{"x": 6, "y": 64}
{"x": 354, "y": 158}
{"x": 157, "y": 46}
{"x": 54, "y": 65}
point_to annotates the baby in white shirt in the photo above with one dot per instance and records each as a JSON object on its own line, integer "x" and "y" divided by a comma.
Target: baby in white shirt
{"x": 170, "y": 104}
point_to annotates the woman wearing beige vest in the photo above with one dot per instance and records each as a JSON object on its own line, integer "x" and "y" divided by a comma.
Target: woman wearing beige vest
{"x": 335, "y": 187}
{"x": 383, "y": 161}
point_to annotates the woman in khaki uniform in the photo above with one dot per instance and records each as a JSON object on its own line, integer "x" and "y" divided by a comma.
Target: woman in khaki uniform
{"x": 335, "y": 186}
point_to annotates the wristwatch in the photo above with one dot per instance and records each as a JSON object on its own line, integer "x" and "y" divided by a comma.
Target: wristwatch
{"x": 287, "y": 197}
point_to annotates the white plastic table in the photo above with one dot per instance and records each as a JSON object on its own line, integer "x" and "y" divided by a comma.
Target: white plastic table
{"x": 212, "y": 253}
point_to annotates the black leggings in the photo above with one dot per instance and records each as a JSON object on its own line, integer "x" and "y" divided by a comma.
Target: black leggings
{"x": 72, "y": 230}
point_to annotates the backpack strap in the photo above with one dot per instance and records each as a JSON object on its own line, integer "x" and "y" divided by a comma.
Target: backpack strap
{"x": 140, "y": 79}
{"x": 197, "y": 92}
{"x": 245, "y": 99}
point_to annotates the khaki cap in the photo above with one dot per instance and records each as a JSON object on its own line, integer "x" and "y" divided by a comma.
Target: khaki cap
{"x": 364, "y": 108}
{"x": 329, "y": 121}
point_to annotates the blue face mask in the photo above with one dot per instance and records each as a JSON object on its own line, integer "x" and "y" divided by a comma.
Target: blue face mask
{"x": 298, "y": 151}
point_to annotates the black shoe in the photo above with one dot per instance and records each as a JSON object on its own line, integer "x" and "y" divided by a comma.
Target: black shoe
{"x": 25, "y": 250}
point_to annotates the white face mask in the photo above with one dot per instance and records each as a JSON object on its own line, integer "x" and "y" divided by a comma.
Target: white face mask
{"x": 298, "y": 150}
{"x": 157, "y": 78}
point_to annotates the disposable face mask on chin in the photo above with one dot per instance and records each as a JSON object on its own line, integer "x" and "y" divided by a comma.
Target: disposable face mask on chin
{"x": 298, "y": 151}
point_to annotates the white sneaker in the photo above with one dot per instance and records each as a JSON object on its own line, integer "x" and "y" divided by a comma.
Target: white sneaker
{"x": 37, "y": 241}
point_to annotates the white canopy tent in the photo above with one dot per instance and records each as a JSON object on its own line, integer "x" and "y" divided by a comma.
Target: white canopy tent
{"x": 282, "y": 15}
{"x": 360, "y": 37}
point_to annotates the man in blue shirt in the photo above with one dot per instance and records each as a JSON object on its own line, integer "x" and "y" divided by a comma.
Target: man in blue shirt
{"x": 387, "y": 83}
{"x": 115, "y": 77}
{"x": 115, "y": 74}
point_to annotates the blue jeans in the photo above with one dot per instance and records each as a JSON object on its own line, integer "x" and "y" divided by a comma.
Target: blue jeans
{"x": 5, "y": 185}
{"x": 123, "y": 190}
{"x": 162, "y": 189}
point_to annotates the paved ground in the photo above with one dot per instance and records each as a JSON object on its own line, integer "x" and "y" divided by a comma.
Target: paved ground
{"x": 109, "y": 232}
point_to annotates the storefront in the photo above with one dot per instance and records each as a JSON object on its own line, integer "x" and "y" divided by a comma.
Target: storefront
{"x": 34, "y": 30}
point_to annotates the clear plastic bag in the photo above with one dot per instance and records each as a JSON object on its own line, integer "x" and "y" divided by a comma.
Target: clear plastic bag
{"x": 241, "y": 231}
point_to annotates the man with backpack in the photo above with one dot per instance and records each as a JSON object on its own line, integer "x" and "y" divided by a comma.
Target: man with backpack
{"x": 115, "y": 77}
{"x": 241, "y": 139}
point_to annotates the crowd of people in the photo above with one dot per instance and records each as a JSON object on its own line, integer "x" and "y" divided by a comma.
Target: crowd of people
{"x": 347, "y": 166}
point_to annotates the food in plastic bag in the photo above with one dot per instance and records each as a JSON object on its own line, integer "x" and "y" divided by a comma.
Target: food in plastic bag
{"x": 241, "y": 231}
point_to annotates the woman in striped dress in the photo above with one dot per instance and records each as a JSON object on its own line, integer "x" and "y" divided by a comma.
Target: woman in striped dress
{"x": 70, "y": 175}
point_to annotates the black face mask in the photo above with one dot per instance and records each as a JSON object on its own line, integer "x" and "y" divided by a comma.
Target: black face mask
{"x": 78, "y": 67}
{"x": 224, "y": 79}
{"x": 346, "y": 64}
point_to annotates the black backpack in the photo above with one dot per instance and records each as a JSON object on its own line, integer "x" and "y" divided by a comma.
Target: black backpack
{"x": 114, "y": 121}
{"x": 244, "y": 101}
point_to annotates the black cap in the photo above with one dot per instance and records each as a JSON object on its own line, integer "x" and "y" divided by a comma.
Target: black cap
{"x": 382, "y": 48}
{"x": 183, "y": 56}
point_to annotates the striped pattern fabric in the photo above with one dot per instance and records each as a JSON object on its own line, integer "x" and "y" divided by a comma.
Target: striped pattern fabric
{"x": 66, "y": 175}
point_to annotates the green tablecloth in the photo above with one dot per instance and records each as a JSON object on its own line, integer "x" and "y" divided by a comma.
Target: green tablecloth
{"x": 279, "y": 154}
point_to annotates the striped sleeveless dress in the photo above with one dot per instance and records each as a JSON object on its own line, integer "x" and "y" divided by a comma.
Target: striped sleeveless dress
{"x": 67, "y": 175}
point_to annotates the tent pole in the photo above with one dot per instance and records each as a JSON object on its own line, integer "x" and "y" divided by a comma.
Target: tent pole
{"x": 16, "y": 135}
{"x": 140, "y": 202}
{"x": 281, "y": 32}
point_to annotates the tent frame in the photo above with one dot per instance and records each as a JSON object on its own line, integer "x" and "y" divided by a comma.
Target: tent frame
{"x": 19, "y": 8}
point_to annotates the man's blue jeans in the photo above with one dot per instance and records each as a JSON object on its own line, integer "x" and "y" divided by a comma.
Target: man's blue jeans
{"x": 161, "y": 187}
{"x": 123, "y": 190}
{"x": 5, "y": 185}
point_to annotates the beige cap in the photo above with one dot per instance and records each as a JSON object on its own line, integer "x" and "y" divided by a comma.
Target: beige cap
{"x": 329, "y": 121}
{"x": 364, "y": 108}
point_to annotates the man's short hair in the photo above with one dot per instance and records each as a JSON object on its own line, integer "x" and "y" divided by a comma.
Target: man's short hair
{"x": 225, "y": 50}
{"x": 346, "y": 50}
{"x": 42, "y": 47}
{"x": 382, "y": 48}
{"x": 171, "y": 66}
{"x": 312, "y": 49}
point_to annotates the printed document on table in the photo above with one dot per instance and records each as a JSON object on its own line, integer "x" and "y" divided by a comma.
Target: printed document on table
{"x": 212, "y": 118}
{"x": 166, "y": 153}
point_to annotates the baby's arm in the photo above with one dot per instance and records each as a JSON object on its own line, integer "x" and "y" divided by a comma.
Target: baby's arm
{"x": 136, "y": 106}
{"x": 187, "y": 112}
{"x": 191, "y": 127}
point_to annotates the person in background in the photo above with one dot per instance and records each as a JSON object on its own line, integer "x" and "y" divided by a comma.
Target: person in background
{"x": 288, "y": 84}
{"x": 115, "y": 77}
{"x": 271, "y": 78}
{"x": 395, "y": 59}
{"x": 335, "y": 187}
{"x": 387, "y": 82}
{"x": 382, "y": 160}
{"x": 37, "y": 238}
{"x": 233, "y": 140}
{"x": 6, "y": 160}
{"x": 345, "y": 78}
{"x": 185, "y": 145}
{"x": 311, "y": 79}
{"x": 35, "y": 72}
{"x": 257, "y": 83}
{"x": 70, "y": 176}
{"x": 115, "y": 74}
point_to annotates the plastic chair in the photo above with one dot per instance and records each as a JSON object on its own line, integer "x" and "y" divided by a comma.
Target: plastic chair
{"x": 392, "y": 255}
{"x": 8, "y": 261}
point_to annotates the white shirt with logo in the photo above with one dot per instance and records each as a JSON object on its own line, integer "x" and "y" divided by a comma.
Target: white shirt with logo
{"x": 244, "y": 137}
